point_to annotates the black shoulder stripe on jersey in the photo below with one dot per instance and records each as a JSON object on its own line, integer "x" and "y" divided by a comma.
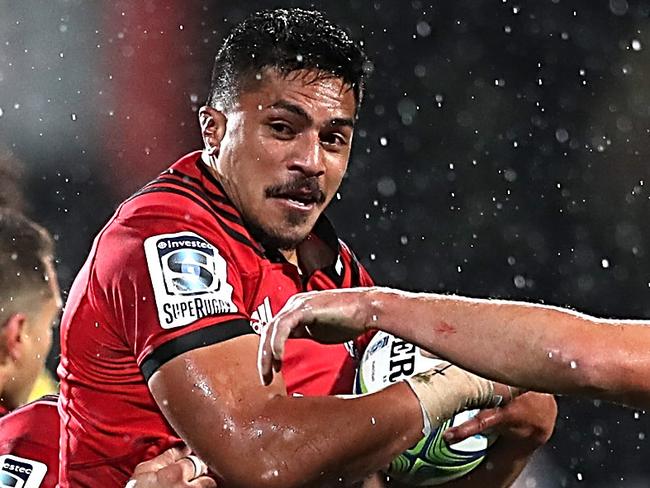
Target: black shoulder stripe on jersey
{"x": 221, "y": 211}
{"x": 229, "y": 230}
{"x": 221, "y": 198}
{"x": 209, "y": 176}
{"x": 206, "y": 336}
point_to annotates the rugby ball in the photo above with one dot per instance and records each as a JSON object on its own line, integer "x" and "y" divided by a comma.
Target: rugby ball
{"x": 431, "y": 461}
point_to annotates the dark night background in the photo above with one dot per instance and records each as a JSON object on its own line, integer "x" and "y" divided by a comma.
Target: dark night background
{"x": 501, "y": 151}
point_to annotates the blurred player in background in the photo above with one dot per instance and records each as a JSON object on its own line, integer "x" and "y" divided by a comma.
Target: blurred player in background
{"x": 30, "y": 303}
{"x": 161, "y": 323}
{"x": 539, "y": 347}
{"x": 12, "y": 195}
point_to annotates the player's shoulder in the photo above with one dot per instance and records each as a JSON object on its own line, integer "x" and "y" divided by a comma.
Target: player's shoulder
{"x": 184, "y": 206}
{"x": 41, "y": 413}
{"x": 29, "y": 445}
{"x": 180, "y": 193}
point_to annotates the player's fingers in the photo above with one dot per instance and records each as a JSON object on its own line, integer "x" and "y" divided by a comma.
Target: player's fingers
{"x": 504, "y": 394}
{"x": 265, "y": 356}
{"x": 198, "y": 466}
{"x": 283, "y": 327}
{"x": 285, "y": 324}
{"x": 182, "y": 471}
{"x": 174, "y": 454}
{"x": 164, "y": 459}
{"x": 203, "y": 482}
{"x": 482, "y": 421}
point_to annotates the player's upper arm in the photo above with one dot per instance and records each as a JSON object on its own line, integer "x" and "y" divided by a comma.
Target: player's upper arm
{"x": 213, "y": 399}
{"x": 173, "y": 286}
{"x": 179, "y": 295}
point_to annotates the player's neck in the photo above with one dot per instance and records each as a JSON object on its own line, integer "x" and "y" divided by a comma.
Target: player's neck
{"x": 291, "y": 255}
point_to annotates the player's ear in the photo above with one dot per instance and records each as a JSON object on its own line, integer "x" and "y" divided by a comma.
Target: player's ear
{"x": 12, "y": 338}
{"x": 213, "y": 127}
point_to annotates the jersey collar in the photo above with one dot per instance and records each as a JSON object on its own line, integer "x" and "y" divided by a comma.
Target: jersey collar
{"x": 3, "y": 411}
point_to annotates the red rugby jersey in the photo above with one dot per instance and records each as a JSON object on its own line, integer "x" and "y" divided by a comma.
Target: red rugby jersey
{"x": 173, "y": 270}
{"x": 29, "y": 445}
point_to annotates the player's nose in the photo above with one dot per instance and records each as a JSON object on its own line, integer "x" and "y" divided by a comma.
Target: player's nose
{"x": 308, "y": 157}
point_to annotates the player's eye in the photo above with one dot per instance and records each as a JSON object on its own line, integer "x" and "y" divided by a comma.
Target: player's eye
{"x": 333, "y": 139}
{"x": 281, "y": 129}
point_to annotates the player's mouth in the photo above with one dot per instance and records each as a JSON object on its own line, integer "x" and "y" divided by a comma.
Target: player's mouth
{"x": 305, "y": 197}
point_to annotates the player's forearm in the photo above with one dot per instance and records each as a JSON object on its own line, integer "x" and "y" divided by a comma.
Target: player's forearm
{"x": 319, "y": 441}
{"x": 354, "y": 437}
{"x": 537, "y": 347}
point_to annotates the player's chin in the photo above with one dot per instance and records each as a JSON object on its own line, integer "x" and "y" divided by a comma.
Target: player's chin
{"x": 290, "y": 233}
{"x": 291, "y": 238}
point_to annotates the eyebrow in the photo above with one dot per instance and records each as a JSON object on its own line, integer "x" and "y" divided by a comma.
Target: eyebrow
{"x": 299, "y": 111}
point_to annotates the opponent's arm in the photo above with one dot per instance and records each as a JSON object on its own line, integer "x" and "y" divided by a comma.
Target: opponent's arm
{"x": 536, "y": 347}
{"x": 251, "y": 435}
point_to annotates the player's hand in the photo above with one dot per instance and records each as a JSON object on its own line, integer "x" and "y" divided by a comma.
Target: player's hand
{"x": 529, "y": 418}
{"x": 172, "y": 469}
{"x": 329, "y": 317}
{"x": 446, "y": 390}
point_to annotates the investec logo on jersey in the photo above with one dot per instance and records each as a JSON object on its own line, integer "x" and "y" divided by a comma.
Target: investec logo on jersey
{"x": 189, "y": 278}
{"x": 17, "y": 472}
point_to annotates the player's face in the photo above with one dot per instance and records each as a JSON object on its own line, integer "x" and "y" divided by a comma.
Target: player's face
{"x": 285, "y": 152}
{"x": 36, "y": 342}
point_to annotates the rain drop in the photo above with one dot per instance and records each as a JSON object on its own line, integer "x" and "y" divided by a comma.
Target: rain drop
{"x": 562, "y": 135}
{"x": 423, "y": 29}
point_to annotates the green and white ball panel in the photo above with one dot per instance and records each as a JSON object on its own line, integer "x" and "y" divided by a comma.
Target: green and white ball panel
{"x": 431, "y": 461}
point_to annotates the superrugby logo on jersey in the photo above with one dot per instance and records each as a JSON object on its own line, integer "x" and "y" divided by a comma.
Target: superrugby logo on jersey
{"x": 189, "y": 278}
{"x": 17, "y": 472}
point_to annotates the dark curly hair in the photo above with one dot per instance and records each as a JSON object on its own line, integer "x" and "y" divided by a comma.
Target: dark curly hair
{"x": 285, "y": 40}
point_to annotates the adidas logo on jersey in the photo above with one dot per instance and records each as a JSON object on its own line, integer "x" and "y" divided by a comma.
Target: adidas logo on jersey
{"x": 261, "y": 316}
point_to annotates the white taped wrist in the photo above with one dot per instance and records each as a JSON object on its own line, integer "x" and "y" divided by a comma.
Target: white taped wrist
{"x": 426, "y": 422}
{"x": 446, "y": 390}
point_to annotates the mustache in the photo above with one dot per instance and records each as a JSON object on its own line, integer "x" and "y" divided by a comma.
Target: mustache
{"x": 306, "y": 187}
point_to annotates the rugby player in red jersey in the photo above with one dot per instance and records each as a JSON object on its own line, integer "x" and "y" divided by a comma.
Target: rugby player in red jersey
{"x": 159, "y": 333}
{"x": 29, "y": 305}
